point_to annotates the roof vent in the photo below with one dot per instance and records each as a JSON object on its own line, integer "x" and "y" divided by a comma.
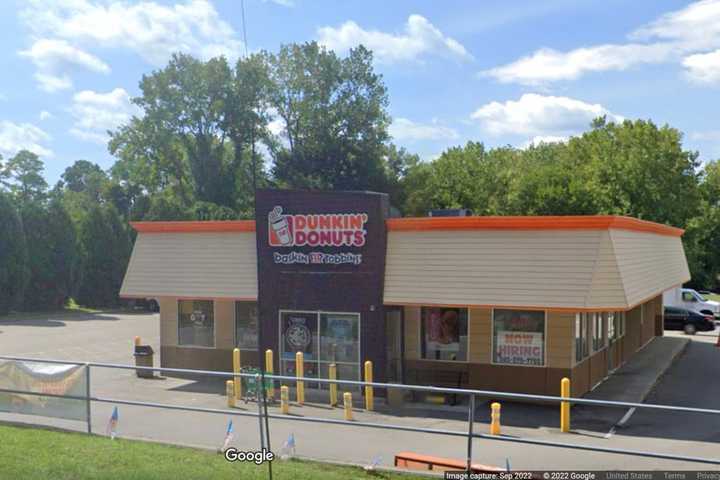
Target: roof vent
{"x": 451, "y": 212}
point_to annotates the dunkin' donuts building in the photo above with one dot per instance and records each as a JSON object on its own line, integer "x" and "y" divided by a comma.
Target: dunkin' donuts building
{"x": 503, "y": 303}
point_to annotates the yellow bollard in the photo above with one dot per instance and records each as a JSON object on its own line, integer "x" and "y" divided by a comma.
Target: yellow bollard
{"x": 284, "y": 399}
{"x": 495, "y": 418}
{"x": 236, "y": 369}
{"x": 347, "y": 400}
{"x": 299, "y": 373}
{"x": 332, "y": 372}
{"x": 565, "y": 406}
{"x": 369, "y": 398}
{"x": 269, "y": 369}
{"x": 230, "y": 392}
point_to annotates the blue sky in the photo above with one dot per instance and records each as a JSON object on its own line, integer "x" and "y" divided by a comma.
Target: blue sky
{"x": 491, "y": 71}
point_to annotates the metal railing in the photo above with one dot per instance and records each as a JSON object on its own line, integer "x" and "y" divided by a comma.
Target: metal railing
{"x": 469, "y": 434}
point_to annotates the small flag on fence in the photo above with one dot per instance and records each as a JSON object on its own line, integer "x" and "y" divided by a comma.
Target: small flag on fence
{"x": 288, "y": 448}
{"x": 229, "y": 434}
{"x": 375, "y": 462}
{"x": 113, "y": 423}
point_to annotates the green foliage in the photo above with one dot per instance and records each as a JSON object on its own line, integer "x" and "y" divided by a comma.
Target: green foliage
{"x": 333, "y": 113}
{"x": 196, "y": 140}
{"x": 85, "y": 177}
{"x": 104, "y": 253}
{"x": 13, "y": 256}
{"x": 50, "y": 237}
{"x": 22, "y": 175}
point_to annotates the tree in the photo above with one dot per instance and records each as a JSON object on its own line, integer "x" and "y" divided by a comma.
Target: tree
{"x": 104, "y": 253}
{"x": 85, "y": 177}
{"x": 639, "y": 169}
{"x": 50, "y": 239}
{"x": 197, "y": 137}
{"x": 13, "y": 256}
{"x": 22, "y": 175}
{"x": 334, "y": 118}
{"x": 462, "y": 177}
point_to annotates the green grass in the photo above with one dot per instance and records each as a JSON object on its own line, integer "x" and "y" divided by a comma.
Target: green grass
{"x": 35, "y": 453}
{"x": 70, "y": 308}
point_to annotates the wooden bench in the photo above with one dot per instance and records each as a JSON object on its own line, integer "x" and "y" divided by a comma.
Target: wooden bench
{"x": 438, "y": 378}
{"x": 416, "y": 461}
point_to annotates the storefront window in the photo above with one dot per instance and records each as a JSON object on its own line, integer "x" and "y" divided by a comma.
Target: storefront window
{"x": 582, "y": 336}
{"x": 621, "y": 323}
{"x": 444, "y": 333}
{"x": 324, "y": 338}
{"x": 339, "y": 338}
{"x": 519, "y": 337}
{"x": 611, "y": 326}
{"x": 598, "y": 338}
{"x": 196, "y": 323}
{"x": 246, "y": 325}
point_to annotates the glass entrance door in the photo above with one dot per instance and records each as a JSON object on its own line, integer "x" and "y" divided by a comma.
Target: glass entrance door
{"x": 324, "y": 338}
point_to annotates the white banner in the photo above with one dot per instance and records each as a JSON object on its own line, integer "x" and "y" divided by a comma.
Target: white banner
{"x": 51, "y": 378}
{"x": 519, "y": 348}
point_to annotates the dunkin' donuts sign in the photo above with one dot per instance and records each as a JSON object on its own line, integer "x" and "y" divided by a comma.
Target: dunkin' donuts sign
{"x": 316, "y": 230}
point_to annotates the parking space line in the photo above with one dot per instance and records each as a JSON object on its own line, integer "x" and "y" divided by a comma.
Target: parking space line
{"x": 621, "y": 423}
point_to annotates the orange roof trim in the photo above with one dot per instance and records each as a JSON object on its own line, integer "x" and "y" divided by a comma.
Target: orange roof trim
{"x": 569, "y": 222}
{"x": 596, "y": 222}
{"x": 195, "y": 226}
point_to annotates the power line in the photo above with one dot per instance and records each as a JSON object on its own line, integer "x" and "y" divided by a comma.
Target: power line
{"x": 242, "y": 10}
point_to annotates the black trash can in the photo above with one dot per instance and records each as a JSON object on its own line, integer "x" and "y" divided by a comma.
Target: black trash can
{"x": 144, "y": 358}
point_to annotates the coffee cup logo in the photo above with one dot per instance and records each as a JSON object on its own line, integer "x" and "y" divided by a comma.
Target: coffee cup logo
{"x": 280, "y": 228}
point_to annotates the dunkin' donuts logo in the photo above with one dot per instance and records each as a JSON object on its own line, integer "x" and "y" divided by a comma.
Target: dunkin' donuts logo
{"x": 316, "y": 230}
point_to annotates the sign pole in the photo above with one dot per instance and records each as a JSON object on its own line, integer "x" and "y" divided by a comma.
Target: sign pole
{"x": 87, "y": 396}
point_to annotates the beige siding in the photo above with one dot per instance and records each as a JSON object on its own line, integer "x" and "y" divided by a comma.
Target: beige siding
{"x": 194, "y": 265}
{"x": 649, "y": 264}
{"x": 480, "y": 335}
{"x": 491, "y": 267}
{"x": 560, "y": 331}
{"x": 600, "y": 269}
{"x": 168, "y": 321}
{"x": 412, "y": 333}
{"x": 224, "y": 324}
{"x": 606, "y": 287}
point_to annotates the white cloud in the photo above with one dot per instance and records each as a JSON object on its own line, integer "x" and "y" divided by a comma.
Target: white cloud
{"x": 149, "y": 29}
{"x": 693, "y": 29}
{"x": 95, "y": 113}
{"x": 545, "y": 139}
{"x": 546, "y": 65}
{"x": 419, "y": 38}
{"x": 52, "y": 57}
{"x": 405, "y": 129}
{"x": 535, "y": 115}
{"x": 283, "y": 3}
{"x": 45, "y": 115}
{"x": 53, "y": 83}
{"x": 709, "y": 135}
{"x": 23, "y": 136}
{"x": 703, "y": 67}
{"x": 50, "y": 54}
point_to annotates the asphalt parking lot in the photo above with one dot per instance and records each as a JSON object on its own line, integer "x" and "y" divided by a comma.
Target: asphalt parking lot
{"x": 108, "y": 338}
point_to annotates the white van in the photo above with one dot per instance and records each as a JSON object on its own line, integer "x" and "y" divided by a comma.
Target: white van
{"x": 691, "y": 300}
